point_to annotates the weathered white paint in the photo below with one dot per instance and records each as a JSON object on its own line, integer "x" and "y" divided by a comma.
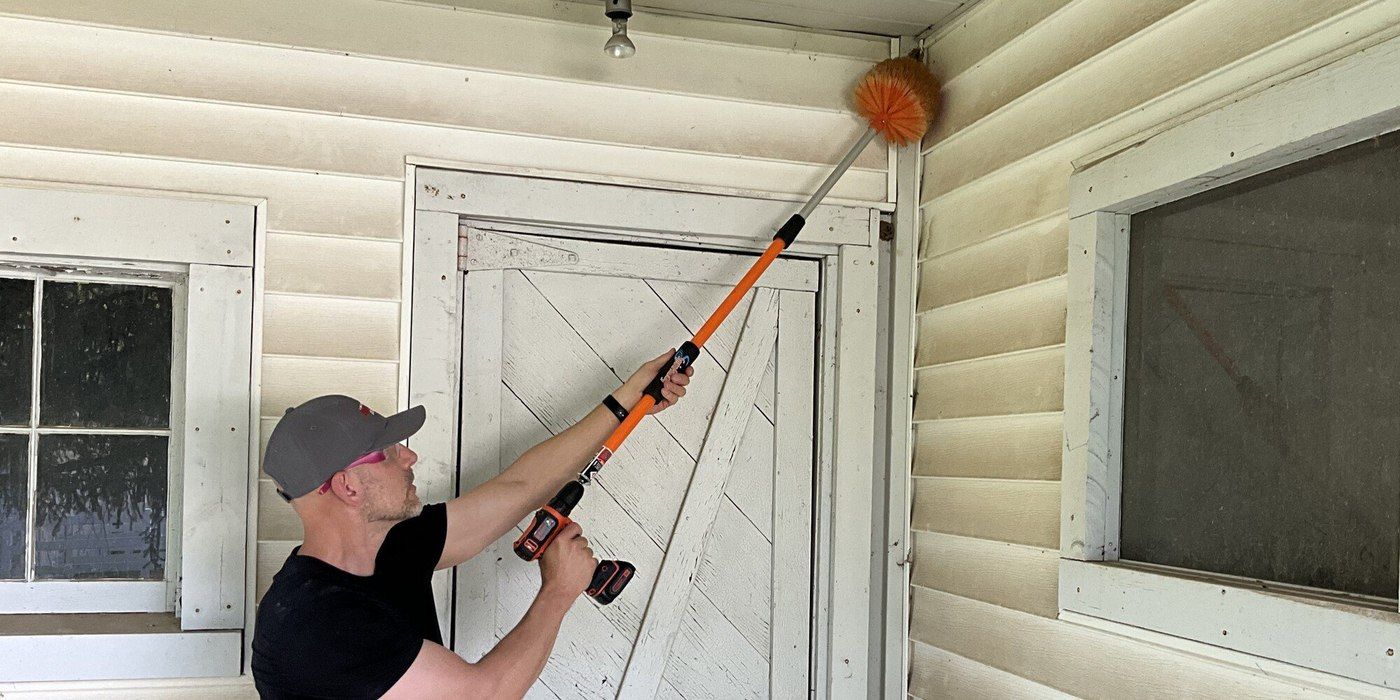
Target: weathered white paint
{"x": 216, "y": 464}
{"x": 29, "y": 597}
{"x": 102, "y": 224}
{"x": 479, "y": 456}
{"x": 1359, "y": 641}
{"x": 433, "y": 374}
{"x": 747, "y": 221}
{"x": 792, "y": 627}
{"x": 850, "y": 664}
{"x": 484, "y": 249}
{"x": 671, "y": 591}
{"x": 109, "y": 656}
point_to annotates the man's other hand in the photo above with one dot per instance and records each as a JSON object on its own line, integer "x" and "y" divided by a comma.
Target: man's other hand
{"x": 566, "y": 567}
{"x": 672, "y": 386}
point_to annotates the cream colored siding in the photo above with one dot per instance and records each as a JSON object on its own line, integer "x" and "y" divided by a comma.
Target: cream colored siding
{"x": 315, "y": 105}
{"x": 1031, "y": 93}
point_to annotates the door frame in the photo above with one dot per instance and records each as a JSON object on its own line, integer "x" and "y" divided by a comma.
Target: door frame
{"x": 843, "y": 239}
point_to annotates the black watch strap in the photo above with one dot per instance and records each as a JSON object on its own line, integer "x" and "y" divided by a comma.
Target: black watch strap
{"x": 616, "y": 408}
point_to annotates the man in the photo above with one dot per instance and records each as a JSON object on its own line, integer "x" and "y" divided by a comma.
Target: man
{"x": 351, "y": 613}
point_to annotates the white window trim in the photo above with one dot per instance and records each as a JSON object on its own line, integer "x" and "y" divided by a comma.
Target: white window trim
{"x": 1350, "y": 100}
{"x": 212, "y": 244}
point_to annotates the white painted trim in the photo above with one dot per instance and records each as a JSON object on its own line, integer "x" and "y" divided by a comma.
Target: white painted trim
{"x": 744, "y": 221}
{"x": 45, "y": 221}
{"x": 410, "y": 213}
{"x": 433, "y": 371}
{"x": 850, "y": 663}
{"x": 794, "y": 465}
{"x": 903, "y": 282}
{"x": 83, "y": 657}
{"x": 1347, "y": 101}
{"x": 1323, "y": 682}
{"x": 635, "y": 182}
{"x": 217, "y": 459}
{"x": 483, "y": 249}
{"x": 1089, "y": 490}
{"x": 29, "y": 597}
{"x": 667, "y": 608}
{"x": 483, "y": 296}
{"x": 214, "y": 688}
{"x": 250, "y": 587}
{"x": 1347, "y": 640}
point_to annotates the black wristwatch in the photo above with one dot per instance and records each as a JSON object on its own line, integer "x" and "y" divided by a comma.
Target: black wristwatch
{"x": 617, "y": 410}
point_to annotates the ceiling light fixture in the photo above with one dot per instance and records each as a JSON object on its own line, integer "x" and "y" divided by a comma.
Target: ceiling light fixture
{"x": 619, "y": 46}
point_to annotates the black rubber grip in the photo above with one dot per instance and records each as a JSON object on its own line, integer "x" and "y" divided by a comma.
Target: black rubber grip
{"x": 684, "y": 357}
{"x": 788, "y": 233}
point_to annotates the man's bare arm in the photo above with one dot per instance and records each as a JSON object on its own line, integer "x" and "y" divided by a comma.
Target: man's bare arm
{"x": 481, "y": 516}
{"x": 509, "y": 669}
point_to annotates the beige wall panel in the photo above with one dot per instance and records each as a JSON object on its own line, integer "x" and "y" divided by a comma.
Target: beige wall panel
{"x": 1023, "y": 512}
{"x": 332, "y": 83}
{"x": 334, "y": 266}
{"x": 276, "y": 519}
{"x": 997, "y": 447}
{"x": 1083, "y": 662}
{"x": 1023, "y": 255}
{"x": 1010, "y": 575}
{"x": 424, "y": 33}
{"x": 1130, "y": 74}
{"x": 1031, "y": 191}
{"x": 297, "y": 201}
{"x": 1030, "y": 316}
{"x": 271, "y": 555}
{"x": 223, "y": 133}
{"x": 290, "y": 381}
{"x": 1024, "y": 382}
{"x": 330, "y": 327}
{"x": 1078, "y": 31}
{"x": 983, "y": 31}
{"x": 940, "y": 675}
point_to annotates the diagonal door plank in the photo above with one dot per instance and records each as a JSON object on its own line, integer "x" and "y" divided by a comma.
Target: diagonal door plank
{"x": 669, "y": 599}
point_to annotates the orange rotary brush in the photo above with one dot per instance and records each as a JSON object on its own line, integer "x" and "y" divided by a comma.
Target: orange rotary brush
{"x": 899, "y": 98}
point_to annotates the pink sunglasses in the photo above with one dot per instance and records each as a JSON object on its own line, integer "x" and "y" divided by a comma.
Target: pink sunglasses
{"x": 371, "y": 458}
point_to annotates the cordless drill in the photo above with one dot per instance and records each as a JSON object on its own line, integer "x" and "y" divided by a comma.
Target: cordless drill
{"x": 611, "y": 575}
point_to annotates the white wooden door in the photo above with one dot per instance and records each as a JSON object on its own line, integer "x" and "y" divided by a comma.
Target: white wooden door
{"x": 712, "y": 497}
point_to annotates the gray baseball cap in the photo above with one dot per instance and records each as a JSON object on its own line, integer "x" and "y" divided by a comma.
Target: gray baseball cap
{"x": 324, "y": 435}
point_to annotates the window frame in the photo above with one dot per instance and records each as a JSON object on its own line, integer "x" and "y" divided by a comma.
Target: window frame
{"x": 1278, "y": 124}
{"x": 107, "y": 596}
{"x": 215, "y": 244}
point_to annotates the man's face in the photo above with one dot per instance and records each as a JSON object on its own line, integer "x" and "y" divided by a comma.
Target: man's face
{"x": 389, "y": 491}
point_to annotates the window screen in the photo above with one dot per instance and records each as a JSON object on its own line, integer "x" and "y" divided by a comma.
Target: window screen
{"x": 1261, "y": 430}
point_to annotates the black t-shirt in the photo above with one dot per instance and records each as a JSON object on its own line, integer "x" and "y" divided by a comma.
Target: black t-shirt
{"x": 326, "y": 633}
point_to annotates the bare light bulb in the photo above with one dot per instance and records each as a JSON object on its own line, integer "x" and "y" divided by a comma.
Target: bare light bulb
{"x": 618, "y": 45}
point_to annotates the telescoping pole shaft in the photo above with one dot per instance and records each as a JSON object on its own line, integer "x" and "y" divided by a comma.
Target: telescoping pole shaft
{"x": 534, "y": 540}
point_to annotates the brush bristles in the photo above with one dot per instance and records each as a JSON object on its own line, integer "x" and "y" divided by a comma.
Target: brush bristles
{"x": 899, "y": 98}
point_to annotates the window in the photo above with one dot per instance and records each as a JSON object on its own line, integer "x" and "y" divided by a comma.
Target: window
{"x": 1261, "y": 407}
{"x": 1231, "y": 473}
{"x": 127, "y": 420}
{"x": 85, "y": 439}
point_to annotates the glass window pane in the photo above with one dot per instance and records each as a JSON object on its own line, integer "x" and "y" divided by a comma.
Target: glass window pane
{"x": 1262, "y": 395}
{"x": 16, "y": 350}
{"x": 14, "y": 499}
{"x": 100, "y": 507}
{"x": 106, "y": 356}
